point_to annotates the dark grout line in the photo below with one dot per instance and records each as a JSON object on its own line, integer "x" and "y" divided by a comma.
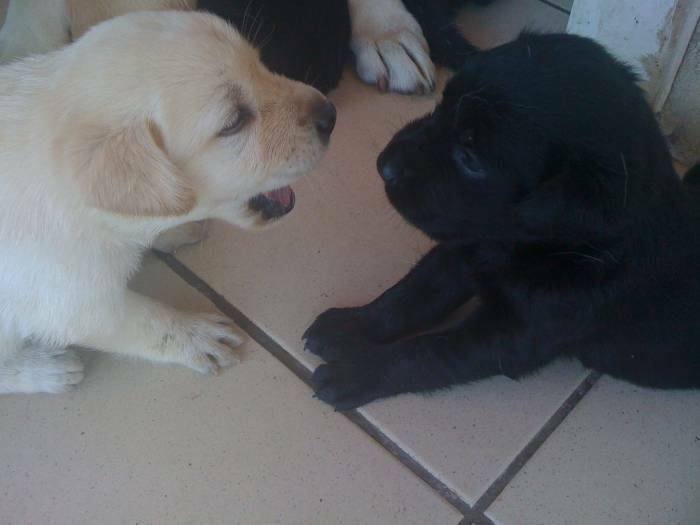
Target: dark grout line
{"x": 303, "y": 373}
{"x": 473, "y": 515}
{"x": 485, "y": 501}
{"x": 555, "y": 6}
{"x": 419, "y": 470}
{"x": 242, "y": 320}
{"x": 478, "y": 519}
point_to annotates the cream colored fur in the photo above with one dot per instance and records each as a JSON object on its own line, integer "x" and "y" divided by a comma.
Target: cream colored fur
{"x": 390, "y": 49}
{"x": 388, "y": 43}
{"x": 105, "y": 144}
{"x": 40, "y": 26}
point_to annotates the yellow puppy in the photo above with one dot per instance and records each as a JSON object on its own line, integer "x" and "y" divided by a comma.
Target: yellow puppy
{"x": 148, "y": 122}
{"x": 39, "y": 26}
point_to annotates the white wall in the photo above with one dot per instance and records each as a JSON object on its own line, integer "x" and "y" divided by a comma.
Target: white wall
{"x": 657, "y": 38}
{"x": 680, "y": 115}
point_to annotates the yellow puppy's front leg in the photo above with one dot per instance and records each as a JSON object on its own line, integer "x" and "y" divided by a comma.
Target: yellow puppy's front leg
{"x": 153, "y": 331}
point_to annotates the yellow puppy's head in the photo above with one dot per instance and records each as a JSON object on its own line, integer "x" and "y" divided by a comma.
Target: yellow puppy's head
{"x": 172, "y": 113}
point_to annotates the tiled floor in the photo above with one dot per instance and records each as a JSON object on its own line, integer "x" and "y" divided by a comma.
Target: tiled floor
{"x": 144, "y": 444}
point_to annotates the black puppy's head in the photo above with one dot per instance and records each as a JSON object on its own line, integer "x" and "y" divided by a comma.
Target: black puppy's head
{"x": 546, "y": 135}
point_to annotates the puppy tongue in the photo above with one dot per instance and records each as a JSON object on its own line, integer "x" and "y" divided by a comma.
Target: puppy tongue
{"x": 283, "y": 195}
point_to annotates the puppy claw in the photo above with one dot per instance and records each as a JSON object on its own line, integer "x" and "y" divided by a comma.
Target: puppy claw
{"x": 390, "y": 49}
{"x": 205, "y": 343}
{"x": 346, "y": 385}
{"x": 41, "y": 369}
{"x": 339, "y": 332}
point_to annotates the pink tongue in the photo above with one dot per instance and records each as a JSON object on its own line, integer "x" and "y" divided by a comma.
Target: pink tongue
{"x": 282, "y": 195}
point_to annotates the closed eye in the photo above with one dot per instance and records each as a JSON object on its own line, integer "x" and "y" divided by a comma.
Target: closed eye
{"x": 240, "y": 120}
{"x": 468, "y": 163}
{"x": 466, "y": 137}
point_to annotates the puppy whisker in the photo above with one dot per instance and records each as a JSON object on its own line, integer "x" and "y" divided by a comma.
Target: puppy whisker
{"x": 469, "y": 95}
{"x": 627, "y": 176}
{"x": 579, "y": 254}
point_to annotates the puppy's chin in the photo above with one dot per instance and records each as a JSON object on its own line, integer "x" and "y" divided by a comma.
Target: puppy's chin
{"x": 272, "y": 205}
{"x": 433, "y": 224}
{"x": 260, "y": 211}
{"x": 409, "y": 207}
{"x": 268, "y": 207}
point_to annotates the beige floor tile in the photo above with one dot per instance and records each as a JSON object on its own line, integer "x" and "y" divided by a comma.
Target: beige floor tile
{"x": 149, "y": 445}
{"x": 344, "y": 245}
{"x": 625, "y": 455}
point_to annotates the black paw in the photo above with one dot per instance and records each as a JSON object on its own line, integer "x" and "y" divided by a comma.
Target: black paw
{"x": 338, "y": 332}
{"x": 348, "y": 384}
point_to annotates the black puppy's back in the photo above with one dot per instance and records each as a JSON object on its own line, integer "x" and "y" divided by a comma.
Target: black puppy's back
{"x": 309, "y": 40}
{"x": 692, "y": 178}
{"x": 306, "y": 40}
{"x": 448, "y": 47}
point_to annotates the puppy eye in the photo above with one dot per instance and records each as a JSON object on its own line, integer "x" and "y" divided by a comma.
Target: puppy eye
{"x": 468, "y": 163}
{"x": 240, "y": 120}
{"x": 466, "y": 137}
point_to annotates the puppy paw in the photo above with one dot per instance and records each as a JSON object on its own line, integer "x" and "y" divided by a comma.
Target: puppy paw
{"x": 338, "y": 332}
{"x": 41, "y": 369}
{"x": 348, "y": 384}
{"x": 203, "y": 342}
{"x": 390, "y": 49}
{"x": 184, "y": 235}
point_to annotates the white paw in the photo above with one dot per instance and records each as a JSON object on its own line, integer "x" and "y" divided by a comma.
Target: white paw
{"x": 205, "y": 342}
{"x": 41, "y": 370}
{"x": 389, "y": 47}
{"x": 184, "y": 235}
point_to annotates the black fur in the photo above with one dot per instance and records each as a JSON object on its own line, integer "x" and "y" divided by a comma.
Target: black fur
{"x": 448, "y": 47}
{"x": 550, "y": 189}
{"x": 692, "y": 178}
{"x": 308, "y": 40}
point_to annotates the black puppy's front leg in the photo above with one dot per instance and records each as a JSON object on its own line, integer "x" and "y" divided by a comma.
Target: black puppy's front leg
{"x": 440, "y": 283}
{"x": 488, "y": 343}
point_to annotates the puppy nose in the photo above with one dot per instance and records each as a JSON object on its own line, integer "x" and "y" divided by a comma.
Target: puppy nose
{"x": 323, "y": 115}
{"x": 389, "y": 167}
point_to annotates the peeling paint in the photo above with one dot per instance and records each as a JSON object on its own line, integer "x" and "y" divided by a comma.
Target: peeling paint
{"x": 625, "y": 27}
{"x": 653, "y": 36}
{"x": 680, "y": 117}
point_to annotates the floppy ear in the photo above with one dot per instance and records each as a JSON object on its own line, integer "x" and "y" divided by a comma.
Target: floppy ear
{"x": 127, "y": 171}
{"x": 576, "y": 201}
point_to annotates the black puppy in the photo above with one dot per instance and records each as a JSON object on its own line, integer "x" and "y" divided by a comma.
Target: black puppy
{"x": 448, "y": 47}
{"x": 546, "y": 181}
{"x": 309, "y": 40}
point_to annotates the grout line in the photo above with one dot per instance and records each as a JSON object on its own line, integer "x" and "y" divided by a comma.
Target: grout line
{"x": 473, "y": 515}
{"x": 303, "y": 373}
{"x": 419, "y": 470}
{"x": 485, "y": 501}
{"x": 477, "y": 519}
{"x": 555, "y": 6}
{"x": 242, "y": 320}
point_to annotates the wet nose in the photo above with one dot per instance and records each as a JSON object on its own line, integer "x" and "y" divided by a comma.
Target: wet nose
{"x": 390, "y": 166}
{"x": 324, "y": 115}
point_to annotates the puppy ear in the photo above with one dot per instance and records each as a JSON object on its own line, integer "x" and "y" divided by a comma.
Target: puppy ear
{"x": 575, "y": 202}
{"x": 127, "y": 171}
